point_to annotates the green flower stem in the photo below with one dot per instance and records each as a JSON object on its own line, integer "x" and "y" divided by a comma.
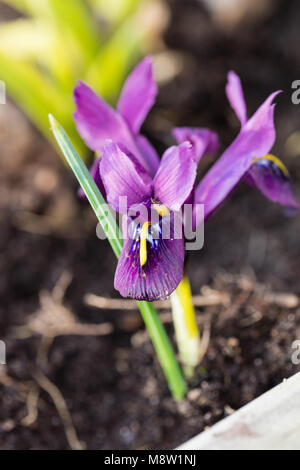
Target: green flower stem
{"x": 186, "y": 329}
{"x": 156, "y": 330}
{"x": 164, "y": 350}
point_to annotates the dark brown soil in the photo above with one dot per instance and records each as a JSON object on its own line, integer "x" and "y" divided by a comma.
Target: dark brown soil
{"x": 112, "y": 384}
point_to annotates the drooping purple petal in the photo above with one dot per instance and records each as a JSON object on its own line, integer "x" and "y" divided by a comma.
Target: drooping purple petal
{"x": 95, "y": 174}
{"x": 273, "y": 181}
{"x": 265, "y": 174}
{"x": 254, "y": 140}
{"x": 204, "y": 140}
{"x": 138, "y": 95}
{"x": 123, "y": 177}
{"x": 149, "y": 153}
{"x": 160, "y": 275}
{"x": 176, "y": 175}
{"x": 235, "y": 95}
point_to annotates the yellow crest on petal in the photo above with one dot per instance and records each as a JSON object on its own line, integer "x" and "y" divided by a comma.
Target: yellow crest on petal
{"x": 143, "y": 243}
{"x": 275, "y": 160}
{"x": 162, "y": 210}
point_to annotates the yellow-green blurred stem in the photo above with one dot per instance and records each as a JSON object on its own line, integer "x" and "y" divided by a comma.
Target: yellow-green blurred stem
{"x": 186, "y": 329}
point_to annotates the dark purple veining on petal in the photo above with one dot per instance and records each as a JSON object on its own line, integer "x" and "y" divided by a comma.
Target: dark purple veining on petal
{"x": 163, "y": 270}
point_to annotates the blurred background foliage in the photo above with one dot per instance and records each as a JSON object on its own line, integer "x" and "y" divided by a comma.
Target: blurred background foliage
{"x": 52, "y": 43}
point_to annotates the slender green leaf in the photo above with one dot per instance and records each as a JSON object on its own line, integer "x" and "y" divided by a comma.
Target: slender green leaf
{"x": 74, "y": 17}
{"x": 26, "y": 39}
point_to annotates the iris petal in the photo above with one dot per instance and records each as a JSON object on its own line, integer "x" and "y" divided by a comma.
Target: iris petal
{"x": 122, "y": 177}
{"x": 95, "y": 174}
{"x": 162, "y": 271}
{"x": 256, "y": 138}
{"x": 269, "y": 175}
{"x": 149, "y": 153}
{"x": 176, "y": 175}
{"x": 235, "y": 95}
{"x": 138, "y": 95}
{"x": 96, "y": 121}
{"x": 204, "y": 140}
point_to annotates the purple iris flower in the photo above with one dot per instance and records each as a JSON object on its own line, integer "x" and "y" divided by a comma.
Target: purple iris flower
{"x": 151, "y": 266}
{"x": 247, "y": 157}
{"x": 267, "y": 173}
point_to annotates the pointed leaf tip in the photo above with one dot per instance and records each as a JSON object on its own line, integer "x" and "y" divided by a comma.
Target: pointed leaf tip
{"x": 53, "y": 122}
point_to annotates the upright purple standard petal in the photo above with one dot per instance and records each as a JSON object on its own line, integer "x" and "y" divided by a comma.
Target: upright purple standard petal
{"x": 96, "y": 121}
{"x": 255, "y": 140}
{"x": 176, "y": 175}
{"x": 160, "y": 275}
{"x": 122, "y": 176}
{"x": 270, "y": 176}
{"x": 235, "y": 95}
{"x": 138, "y": 95}
{"x": 204, "y": 140}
